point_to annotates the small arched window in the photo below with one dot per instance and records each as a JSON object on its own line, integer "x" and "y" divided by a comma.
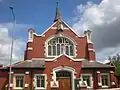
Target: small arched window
{"x": 60, "y": 45}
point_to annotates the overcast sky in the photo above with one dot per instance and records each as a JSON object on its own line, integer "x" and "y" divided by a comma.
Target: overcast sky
{"x": 102, "y": 17}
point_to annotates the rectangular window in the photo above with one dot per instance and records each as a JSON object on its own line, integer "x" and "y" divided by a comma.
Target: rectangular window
{"x": 40, "y": 81}
{"x": 87, "y": 79}
{"x": 19, "y": 81}
{"x": 104, "y": 80}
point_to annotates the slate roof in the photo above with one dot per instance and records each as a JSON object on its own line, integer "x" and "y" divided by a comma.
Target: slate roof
{"x": 87, "y": 64}
{"x": 30, "y": 64}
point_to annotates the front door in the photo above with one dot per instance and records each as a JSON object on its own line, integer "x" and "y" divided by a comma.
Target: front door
{"x": 64, "y": 79}
{"x": 64, "y": 83}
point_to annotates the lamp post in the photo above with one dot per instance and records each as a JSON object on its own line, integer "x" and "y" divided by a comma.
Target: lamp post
{"x": 12, "y": 44}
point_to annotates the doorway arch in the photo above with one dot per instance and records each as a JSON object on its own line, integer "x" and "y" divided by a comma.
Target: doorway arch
{"x": 65, "y": 69}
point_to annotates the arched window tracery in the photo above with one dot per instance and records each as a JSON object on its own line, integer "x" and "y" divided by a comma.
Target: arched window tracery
{"x": 60, "y": 45}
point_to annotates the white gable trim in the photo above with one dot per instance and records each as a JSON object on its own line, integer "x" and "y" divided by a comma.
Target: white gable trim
{"x": 55, "y": 28}
{"x": 71, "y": 58}
{"x": 54, "y": 58}
{"x": 48, "y": 28}
{"x": 70, "y": 28}
{"x": 45, "y": 30}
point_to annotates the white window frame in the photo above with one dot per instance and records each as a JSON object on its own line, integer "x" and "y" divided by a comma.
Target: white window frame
{"x": 14, "y": 81}
{"x": 36, "y": 81}
{"x": 108, "y": 79}
{"x": 91, "y": 81}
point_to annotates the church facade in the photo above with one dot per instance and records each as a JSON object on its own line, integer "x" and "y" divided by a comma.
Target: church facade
{"x": 58, "y": 59}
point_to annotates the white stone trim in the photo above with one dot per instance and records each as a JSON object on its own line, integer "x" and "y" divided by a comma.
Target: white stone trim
{"x": 52, "y": 83}
{"x": 14, "y": 79}
{"x": 26, "y": 85}
{"x": 53, "y": 27}
{"x": 29, "y": 48}
{"x": 92, "y": 60}
{"x": 71, "y": 58}
{"x": 12, "y": 72}
{"x": 98, "y": 71}
{"x": 65, "y": 24}
{"x": 66, "y": 28}
{"x": 11, "y": 85}
{"x": 89, "y": 41}
{"x": 90, "y": 49}
{"x": 48, "y": 29}
{"x": 91, "y": 79}
{"x": 70, "y": 28}
{"x": 70, "y": 69}
{"x": 99, "y": 84}
{"x": 113, "y": 83}
{"x": 54, "y": 58}
{"x": 27, "y": 72}
{"x": 60, "y": 35}
{"x": 30, "y": 35}
{"x": 63, "y": 28}
{"x": 45, "y": 81}
{"x": 108, "y": 79}
{"x": 111, "y": 71}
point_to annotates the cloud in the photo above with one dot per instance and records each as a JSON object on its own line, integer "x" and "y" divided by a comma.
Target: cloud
{"x": 5, "y": 47}
{"x": 104, "y": 21}
{"x": 6, "y": 29}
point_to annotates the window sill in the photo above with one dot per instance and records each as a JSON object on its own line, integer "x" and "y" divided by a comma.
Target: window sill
{"x": 18, "y": 88}
{"x": 40, "y": 88}
{"x": 89, "y": 87}
{"x": 104, "y": 86}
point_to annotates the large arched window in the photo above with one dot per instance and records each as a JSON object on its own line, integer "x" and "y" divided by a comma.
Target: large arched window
{"x": 60, "y": 45}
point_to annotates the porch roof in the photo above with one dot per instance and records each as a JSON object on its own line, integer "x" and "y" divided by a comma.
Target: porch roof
{"x": 95, "y": 64}
{"x": 30, "y": 64}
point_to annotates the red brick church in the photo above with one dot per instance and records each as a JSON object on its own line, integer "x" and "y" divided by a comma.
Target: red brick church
{"x": 58, "y": 59}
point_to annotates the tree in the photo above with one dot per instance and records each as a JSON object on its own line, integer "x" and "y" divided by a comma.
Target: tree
{"x": 116, "y": 61}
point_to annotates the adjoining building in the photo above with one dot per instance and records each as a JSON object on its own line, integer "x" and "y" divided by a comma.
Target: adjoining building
{"x": 58, "y": 59}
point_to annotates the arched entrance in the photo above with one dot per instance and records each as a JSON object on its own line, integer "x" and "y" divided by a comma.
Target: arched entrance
{"x": 64, "y": 79}
{"x": 64, "y": 76}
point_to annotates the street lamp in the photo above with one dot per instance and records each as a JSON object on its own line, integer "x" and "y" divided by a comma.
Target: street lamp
{"x": 12, "y": 44}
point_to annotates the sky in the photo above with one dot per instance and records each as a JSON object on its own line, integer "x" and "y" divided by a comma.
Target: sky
{"x": 102, "y": 17}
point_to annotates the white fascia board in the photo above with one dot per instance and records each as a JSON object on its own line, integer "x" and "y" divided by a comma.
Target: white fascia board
{"x": 48, "y": 29}
{"x": 45, "y": 30}
{"x": 70, "y": 28}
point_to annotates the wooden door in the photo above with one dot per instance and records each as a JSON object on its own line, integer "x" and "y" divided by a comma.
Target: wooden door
{"x": 64, "y": 83}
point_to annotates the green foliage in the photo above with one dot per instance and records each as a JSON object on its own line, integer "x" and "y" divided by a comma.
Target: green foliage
{"x": 117, "y": 69}
{"x": 116, "y": 61}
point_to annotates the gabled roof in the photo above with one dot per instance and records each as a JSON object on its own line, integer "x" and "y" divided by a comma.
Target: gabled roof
{"x": 88, "y": 64}
{"x": 55, "y": 24}
{"x": 30, "y": 64}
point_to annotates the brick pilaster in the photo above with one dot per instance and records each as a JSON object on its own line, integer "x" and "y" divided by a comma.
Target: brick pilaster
{"x": 112, "y": 79}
